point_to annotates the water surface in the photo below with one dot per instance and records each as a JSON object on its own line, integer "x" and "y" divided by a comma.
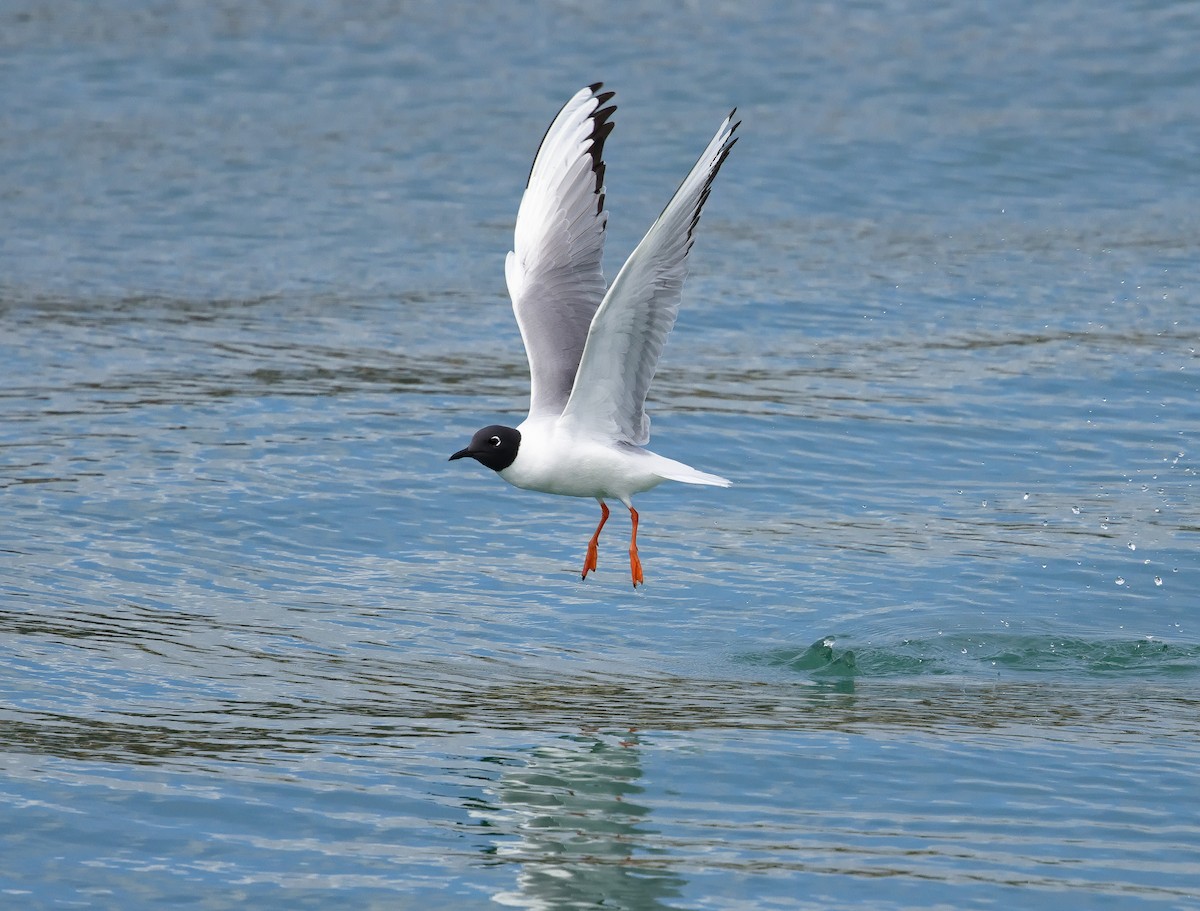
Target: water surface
{"x": 262, "y": 646}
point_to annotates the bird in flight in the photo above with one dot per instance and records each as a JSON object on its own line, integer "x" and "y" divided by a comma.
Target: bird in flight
{"x": 593, "y": 352}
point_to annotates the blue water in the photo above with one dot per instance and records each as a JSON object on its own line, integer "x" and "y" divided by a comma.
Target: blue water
{"x": 261, "y": 646}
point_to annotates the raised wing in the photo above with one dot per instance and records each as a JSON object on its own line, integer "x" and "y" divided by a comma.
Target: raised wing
{"x": 629, "y": 330}
{"x": 553, "y": 271}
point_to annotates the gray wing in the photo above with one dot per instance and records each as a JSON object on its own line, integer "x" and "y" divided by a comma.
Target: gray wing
{"x": 553, "y": 272}
{"x": 629, "y": 330}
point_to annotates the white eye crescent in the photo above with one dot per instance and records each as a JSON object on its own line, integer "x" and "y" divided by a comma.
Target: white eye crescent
{"x": 495, "y": 441}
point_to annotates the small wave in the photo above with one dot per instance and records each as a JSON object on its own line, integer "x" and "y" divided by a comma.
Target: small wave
{"x": 968, "y": 654}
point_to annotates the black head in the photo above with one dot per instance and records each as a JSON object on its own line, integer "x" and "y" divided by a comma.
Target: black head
{"x": 495, "y": 446}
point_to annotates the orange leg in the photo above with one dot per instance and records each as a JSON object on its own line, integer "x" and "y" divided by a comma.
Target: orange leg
{"x": 593, "y": 551}
{"x": 635, "y": 564}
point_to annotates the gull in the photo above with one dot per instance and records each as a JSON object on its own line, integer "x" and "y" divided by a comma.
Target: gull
{"x": 593, "y": 352}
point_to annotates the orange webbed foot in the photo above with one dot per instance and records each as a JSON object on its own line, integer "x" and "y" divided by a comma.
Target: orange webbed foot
{"x": 589, "y": 562}
{"x": 635, "y": 563}
{"x": 593, "y": 548}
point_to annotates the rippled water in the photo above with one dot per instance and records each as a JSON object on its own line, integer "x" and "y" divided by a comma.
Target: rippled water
{"x": 262, "y": 646}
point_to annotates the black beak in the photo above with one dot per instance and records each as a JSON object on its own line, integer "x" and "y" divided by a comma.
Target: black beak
{"x": 461, "y": 454}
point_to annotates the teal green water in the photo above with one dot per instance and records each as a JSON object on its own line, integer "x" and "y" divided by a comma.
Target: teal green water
{"x": 262, "y": 646}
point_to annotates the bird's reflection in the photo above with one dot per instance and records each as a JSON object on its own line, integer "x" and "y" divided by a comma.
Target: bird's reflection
{"x": 570, "y": 817}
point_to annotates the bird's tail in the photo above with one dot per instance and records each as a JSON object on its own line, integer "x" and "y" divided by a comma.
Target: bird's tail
{"x": 677, "y": 471}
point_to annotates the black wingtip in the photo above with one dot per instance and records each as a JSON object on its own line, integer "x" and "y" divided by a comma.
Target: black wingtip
{"x": 714, "y": 169}
{"x": 601, "y": 127}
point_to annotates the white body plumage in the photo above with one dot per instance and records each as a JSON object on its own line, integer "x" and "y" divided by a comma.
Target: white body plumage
{"x": 555, "y": 459}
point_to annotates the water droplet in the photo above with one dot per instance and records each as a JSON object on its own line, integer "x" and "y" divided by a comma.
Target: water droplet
{"x": 1075, "y": 510}
{"x": 1132, "y": 546}
{"x": 1025, "y": 496}
{"x": 1158, "y": 580}
{"x": 1120, "y": 580}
